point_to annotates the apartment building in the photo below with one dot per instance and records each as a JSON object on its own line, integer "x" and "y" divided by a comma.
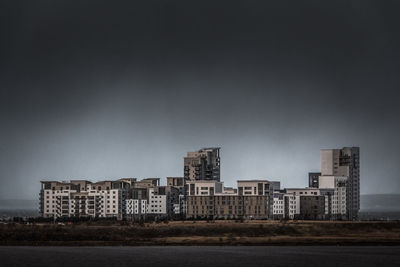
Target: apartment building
{"x": 147, "y": 197}
{"x": 203, "y": 164}
{"x": 228, "y": 207}
{"x": 208, "y": 200}
{"x": 80, "y": 198}
{"x": 337, "y": 196}
{"x": 345, "y": 162}
{"x": 54, "y": 198}
{"x": 106, "y": 198}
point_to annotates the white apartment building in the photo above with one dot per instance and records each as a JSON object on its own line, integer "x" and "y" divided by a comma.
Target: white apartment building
{"x": 136, "y": 207}
{"x": 55, "y": 199}
{"x": 81, "y": 198}
{"x": 157, "y": 203}
{"x": 278, "y": 209}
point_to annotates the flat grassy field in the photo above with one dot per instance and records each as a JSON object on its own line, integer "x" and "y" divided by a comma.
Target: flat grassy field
{"x": 203, "y": 233}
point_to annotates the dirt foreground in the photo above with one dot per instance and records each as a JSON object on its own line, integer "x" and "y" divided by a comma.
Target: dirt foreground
{"x": 203, "y": 233}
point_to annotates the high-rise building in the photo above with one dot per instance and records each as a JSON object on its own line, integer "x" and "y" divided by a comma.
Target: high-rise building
{"x": 203, "y": 164}
{"x": 345, "y": 162}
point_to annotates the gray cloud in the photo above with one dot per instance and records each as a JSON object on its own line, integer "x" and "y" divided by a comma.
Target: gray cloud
{"x": 98, "y": 90}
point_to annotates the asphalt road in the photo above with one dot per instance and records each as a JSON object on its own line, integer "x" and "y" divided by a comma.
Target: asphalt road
{"x": 209, "y": 256}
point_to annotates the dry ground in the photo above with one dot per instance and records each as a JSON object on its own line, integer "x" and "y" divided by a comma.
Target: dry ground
{"x": 205, "y": 233}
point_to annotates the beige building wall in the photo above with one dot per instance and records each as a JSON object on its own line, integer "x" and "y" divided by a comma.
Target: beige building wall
{"x": 204, "y": 188}
{"x": 253, "y": 187}
{"x": 231, "y": 206}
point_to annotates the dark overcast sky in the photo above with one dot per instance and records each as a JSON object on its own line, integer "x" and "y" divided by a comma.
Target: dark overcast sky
{"x": 109, "y": 89}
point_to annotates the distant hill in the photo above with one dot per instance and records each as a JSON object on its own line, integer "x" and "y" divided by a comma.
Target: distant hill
{"x": 380, "y": 202}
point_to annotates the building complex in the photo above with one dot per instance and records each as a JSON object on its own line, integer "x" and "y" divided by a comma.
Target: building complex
{"x": 332, "y": 194}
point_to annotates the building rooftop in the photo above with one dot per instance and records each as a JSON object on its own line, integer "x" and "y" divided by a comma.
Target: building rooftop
{"x": 204, "y": 181}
